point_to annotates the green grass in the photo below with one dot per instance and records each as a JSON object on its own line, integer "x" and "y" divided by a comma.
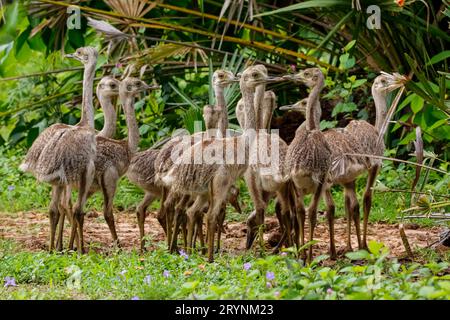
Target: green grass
{"x": 124, "y": 275}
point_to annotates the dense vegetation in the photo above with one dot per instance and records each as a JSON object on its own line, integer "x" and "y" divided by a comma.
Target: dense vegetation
{"x": 178, "y": 44}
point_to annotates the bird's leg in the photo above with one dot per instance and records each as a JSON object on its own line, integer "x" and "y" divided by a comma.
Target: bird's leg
{"x": 220, "y": 221}
{"x": 354, "y": 209}
{"x": 218, "y": 191}
{"x": 199, "y": 231}
{"x": 54, "y": 214}
{"x": 256, "y": 218}
{"x": 300, "y": 213}
{"x": 161, "y": 212}
{"x": 66, "y": 210}
{"x": 312, "y": 212}
{"x": 348, "y": 213}
{"x": 78, "y": 214}
{"x": 177, "y": 220}
{"x": 330, "y": 215}
{"x": 168, "y": 209}
{"x": 140, "y": 212}
{"x": 367, "y": 201}
{"x": 283, "y": 211}
{"x": 109, "y": 186}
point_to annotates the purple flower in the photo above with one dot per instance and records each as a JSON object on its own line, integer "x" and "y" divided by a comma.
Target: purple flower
{"x": 147, "y": 280}
{"x": 270, "y": 275}
{"x": 330, "y": 291}
{"x": 135, "y": 298}
{"x": 284, "y": 253}
{"x": 247, "y": 266}
{"x": 293, "y": 67}
{"x": 276, "y": 294}
{"x": 123, "y": 272}
{"x": 268, "y": 285}
{"x": 166, "y": 274}
{"x": 10, "y": 282}
{"x": 11, "y": 188}
{"x": 119, "y": 65}
{"x": 183, "y": 254}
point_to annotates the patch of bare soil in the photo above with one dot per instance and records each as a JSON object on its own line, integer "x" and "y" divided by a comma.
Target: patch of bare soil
{"x": 31, "y": 230}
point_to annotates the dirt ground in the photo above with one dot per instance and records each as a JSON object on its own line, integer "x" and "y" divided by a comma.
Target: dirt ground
{"x": 31, "y": 230}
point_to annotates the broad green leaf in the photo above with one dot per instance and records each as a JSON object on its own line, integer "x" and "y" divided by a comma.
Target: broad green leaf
{"x": 344, "y": 107}
{"x": 417, "y": 104}
{"x": 439, "y": 57}
{"x": 358, "y": 255}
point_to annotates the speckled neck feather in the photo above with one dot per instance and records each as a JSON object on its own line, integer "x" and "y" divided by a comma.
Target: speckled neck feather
{"x": 110, "y": 116}
{"x": 222, "y": 106}
{"x": 313, "y": 102}
{"x": 87, "y": 108}
{"x": 380, "y": 108}
{"x": 133, "y": 131}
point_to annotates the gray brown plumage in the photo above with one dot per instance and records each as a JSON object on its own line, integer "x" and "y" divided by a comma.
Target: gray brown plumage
{"x": 216, "y": 120}
{"x": 114, "y": 156}
{"x": 185, "y": 175}
{"x": 64, "y": 155}
{"x": 308, "y": 158}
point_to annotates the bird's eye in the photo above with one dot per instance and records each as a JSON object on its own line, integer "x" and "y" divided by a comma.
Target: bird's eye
{"x": 137, "y": 84}
{"x": 307, "y": 74}
{"x": 220, "y": 76}
{"x": 129, "y": 87}
{"x": 113, "y": 85}
{"x": 255, "y": 75}
{"x": 78, "y": 51}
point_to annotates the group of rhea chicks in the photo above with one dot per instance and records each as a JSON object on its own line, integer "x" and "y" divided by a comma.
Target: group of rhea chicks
{"x": 78, "y": 157}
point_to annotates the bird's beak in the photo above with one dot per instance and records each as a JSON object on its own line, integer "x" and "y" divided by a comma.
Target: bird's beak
{"x": 274, "y": 79}
{"x": 289, "y": 77}
{"x": 70, "y": 55}
{"x": 152, "y": 87}
{"x": 287, "y": 107}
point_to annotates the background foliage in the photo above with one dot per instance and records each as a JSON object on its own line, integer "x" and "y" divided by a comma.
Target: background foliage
{"x": 39, "y": 87}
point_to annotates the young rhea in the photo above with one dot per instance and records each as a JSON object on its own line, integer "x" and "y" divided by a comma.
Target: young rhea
{"x": 170, "y": 215}
{"x": 308, "y": 158}
{"x": 64, "y": 155}
{"x": 347, "y": 168}
{"x": 370, "y": 142}
{"x": 211, "y": 179}
{"x": 113, "y": 156}
{"x": 107, "y": 89}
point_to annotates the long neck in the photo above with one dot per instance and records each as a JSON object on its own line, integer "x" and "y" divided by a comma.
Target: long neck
{"x": 221, "y": 105}
{"x": 133, "y": 131}
{"x": 380, "y": 108}
{"x": 258, "y": 106}
{"x": 87, "y": 108}
{"x": 110, "y": 116}
{"x": 249, "y": 109}
{"x": 312, "y": 104}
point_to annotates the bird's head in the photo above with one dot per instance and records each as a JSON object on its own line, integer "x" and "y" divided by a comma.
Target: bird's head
{"x": 310, "y": 77}
{"x": 386, "y": 82}
{"x": 223, "y": 78}
{"x": 299, "y": 106}
{"x": 256, "y": 75}
{"x": 84, "y": 54}
{"x": 108, "y": 86}
{"x": 131, "y": 86}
